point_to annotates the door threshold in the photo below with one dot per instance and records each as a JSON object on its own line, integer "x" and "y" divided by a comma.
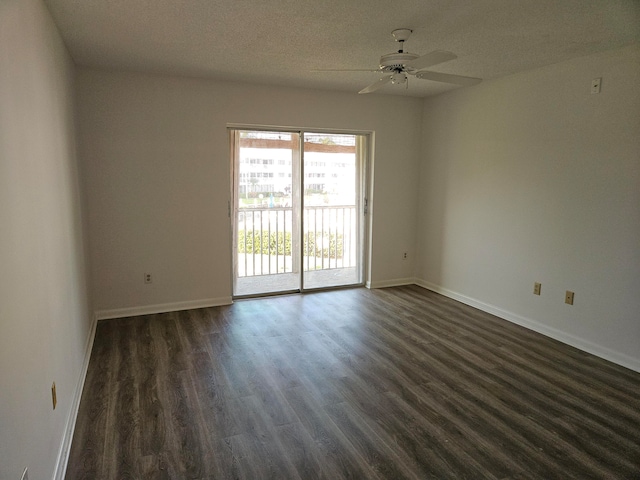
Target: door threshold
{"x": 296, "y": 292}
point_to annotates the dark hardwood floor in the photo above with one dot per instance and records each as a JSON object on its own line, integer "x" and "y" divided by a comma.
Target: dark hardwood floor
{"x": 390, "y": 383}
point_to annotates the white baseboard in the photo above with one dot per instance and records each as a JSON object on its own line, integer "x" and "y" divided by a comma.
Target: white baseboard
{"x": 161, "y": 308}
{"x": 65, "y": 447}
{"x": 564, "y": 337}
{"x": 396, "y": 282}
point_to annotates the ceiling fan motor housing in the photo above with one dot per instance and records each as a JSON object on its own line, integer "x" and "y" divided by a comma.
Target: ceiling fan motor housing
{"x": 395, "y": 62}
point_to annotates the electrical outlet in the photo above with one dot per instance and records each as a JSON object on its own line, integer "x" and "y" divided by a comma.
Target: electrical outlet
{"x": 568, "y": 298}
{"x": 404, "y": 256}
{"x": 54, "y": 396}
{"x": 148, "y": 278}
{"x": 25, "y": 475}
{"x": 536, "y": 288}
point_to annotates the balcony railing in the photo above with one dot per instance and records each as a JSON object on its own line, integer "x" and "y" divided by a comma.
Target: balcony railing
{"x": 267, "y": 240}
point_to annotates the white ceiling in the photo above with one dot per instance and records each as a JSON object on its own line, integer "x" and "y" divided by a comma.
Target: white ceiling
{"x": 281, "y": 41}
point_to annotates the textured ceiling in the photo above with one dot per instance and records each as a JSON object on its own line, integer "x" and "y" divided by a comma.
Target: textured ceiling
{"x": 281, "y": 41}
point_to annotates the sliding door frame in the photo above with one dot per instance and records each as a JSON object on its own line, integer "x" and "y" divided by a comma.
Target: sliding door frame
{"x": 364, "y": 172}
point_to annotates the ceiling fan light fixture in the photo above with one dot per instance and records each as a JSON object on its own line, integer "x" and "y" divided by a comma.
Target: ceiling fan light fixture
{"x": 398, "y": 79}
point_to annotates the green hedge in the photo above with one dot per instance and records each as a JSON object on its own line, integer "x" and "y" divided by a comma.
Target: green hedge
{"x": 260, "y": 242}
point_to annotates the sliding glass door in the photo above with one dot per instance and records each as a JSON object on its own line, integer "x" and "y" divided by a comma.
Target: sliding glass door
{"x": 331, "y": 220}
{"x": 298, "y": 210}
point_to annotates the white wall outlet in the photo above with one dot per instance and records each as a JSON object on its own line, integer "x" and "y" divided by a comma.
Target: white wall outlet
{"x": 148, "y": 278}
{"x": 595, "y": 85}
{"x": 536, "y": 288}
{"x": 404, "y": 255}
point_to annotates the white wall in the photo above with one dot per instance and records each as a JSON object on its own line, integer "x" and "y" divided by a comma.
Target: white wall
{"x": 156, "y": 160}
{"x": 531, "y": 178}
{"x": 44, "y": 312}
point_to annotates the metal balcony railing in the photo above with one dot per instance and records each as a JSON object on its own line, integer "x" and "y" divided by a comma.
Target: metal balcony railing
{"x": 268, "y": 240}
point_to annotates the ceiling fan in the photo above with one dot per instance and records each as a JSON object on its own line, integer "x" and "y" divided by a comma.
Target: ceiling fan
{"x": 398, "y": 65}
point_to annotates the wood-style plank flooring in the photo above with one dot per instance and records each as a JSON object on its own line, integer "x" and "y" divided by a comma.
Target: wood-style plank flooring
{"x": 364, "y": 384}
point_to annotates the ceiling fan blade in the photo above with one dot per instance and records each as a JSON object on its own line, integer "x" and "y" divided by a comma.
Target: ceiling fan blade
{"x": 448, "y": 78}
{"x": 430, "y": 59}
{"x": 375, "y": 86}
{"x": 345, "y": 70}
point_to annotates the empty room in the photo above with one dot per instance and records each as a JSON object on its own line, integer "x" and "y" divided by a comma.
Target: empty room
{"x": 299, "y": 240}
